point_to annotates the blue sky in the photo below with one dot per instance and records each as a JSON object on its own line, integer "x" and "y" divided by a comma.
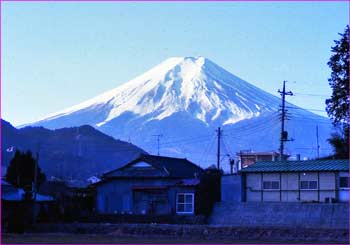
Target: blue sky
{"x": 55, "y": 55}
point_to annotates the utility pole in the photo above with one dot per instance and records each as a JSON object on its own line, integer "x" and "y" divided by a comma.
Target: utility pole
{"x": 318, "y": 146}
{"x": 36, "y": 175}
{"x": 219, "y": 131}
{"x": 34, "y": 188}
{"x": 284, "y": 134}
{"x": 158, "y": 140}
{"x": 36, "y": 171}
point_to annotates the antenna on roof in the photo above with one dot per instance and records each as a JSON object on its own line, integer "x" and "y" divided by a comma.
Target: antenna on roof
{"x": 158, "y": 140}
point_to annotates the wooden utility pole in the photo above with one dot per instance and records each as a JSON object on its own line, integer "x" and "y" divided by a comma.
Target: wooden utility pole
{"x": 318, "y": 146}
{"x": 284, "y": 134}
{"x": 219, "y": 131}
{"x": 35, "y": 176}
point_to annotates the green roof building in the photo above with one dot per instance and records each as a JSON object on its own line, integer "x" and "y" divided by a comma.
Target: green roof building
{"x": 297, "y": 181}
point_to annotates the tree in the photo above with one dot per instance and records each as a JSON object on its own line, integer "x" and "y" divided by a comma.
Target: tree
{"x": 209, "y": 189}
{"x": 21, "y": 171}
{"x": 338, "y": 105}
{"x": 340, "y": 144}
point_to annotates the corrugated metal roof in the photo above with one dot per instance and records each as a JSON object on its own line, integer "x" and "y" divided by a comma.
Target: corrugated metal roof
{"x": 298, "y": 166}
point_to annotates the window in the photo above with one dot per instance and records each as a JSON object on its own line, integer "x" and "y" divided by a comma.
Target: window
{"x": 141, "y": 165}
{"x": 344, "y": 182}
{"x": 185, "y": 203}
{"x": 308, "y": 185}
{"x": 271, "y": 185}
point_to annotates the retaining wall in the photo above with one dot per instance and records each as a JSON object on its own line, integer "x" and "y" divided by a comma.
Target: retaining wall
{"x": 313, "y": 215}
{"x": 203, "y": 232}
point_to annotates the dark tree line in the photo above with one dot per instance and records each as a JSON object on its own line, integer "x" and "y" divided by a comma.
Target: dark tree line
{"x": 21, "y": 171}
{"x": 338, "y": 105}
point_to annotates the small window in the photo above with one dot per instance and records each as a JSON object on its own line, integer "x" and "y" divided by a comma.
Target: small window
{"x": 185, "y": 203}
{"x": 344, "y": 182}
{"x": 308, "y": 185}
{"x": 271, "y": 185}
{"x": 141, "y": 165}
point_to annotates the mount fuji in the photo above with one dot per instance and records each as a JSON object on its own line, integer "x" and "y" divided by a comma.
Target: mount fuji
{"x": 185, "y": 99}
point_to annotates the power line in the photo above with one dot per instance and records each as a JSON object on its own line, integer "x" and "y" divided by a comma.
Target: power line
{"x": 307, "y": 120}
{"x": 225, "y": 147}
{"x": 256, "y": 128}
{"x": 253, "y": 126}
{"x": 206, "y": 149}
{"x": 186, "y": 140}
{"x": 316, "y": 95}
{"x": 309, "y": 109}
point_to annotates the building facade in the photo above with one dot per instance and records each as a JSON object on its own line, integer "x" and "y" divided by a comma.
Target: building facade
{"x": 150, "y": 185}
{"x": 297, "y": 181}
{"x": 247, "y": 158}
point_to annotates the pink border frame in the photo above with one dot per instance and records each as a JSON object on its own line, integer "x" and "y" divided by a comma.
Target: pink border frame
{"x": 102, "y": 1}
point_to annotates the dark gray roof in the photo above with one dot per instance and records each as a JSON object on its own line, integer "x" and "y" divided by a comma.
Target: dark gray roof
{"x": 298, "y": 166}
{"x": 163, "y": 167}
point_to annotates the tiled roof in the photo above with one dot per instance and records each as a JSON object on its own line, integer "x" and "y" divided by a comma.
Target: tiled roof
{"x": 298, "y": 166}
{"x": 164, "y": 167}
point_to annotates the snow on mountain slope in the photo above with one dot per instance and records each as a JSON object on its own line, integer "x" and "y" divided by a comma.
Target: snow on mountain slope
{"x": 188, "y": 97}
{"x": 195, "y": 85}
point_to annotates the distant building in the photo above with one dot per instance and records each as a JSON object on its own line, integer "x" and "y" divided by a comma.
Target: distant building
{"x": 297, "y": 181}
{"x": 247, "y": 158}
{"x": 14, "y": 207}
{"x": 9, "y": 193}
{"x": 150, "y": 185}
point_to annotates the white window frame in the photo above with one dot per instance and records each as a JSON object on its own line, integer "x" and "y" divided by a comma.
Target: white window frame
{"x": 271, "y": 189}
{"x": 177, "y": 202}
{"x": 309, "y": 185}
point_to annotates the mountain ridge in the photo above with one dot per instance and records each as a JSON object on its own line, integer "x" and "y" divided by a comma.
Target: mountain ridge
{"x": 189, "y": 95}
{"x": 68, "y": 152}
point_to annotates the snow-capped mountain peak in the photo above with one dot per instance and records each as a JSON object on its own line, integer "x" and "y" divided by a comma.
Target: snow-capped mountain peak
{"x": 188, "y": 97}
{"x": 194, "y": 85}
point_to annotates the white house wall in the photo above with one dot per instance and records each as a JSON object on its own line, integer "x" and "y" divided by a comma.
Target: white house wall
{"x": 327, "y": 184}
{"x": 271, "y": 195}
{"x": 308, "y": 195}
{"x": 289, "y": 184}
{"x": 253, "y": 183}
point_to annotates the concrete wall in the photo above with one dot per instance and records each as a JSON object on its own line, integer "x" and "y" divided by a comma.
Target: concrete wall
{"x": 290, "y": 190}
{"x": 231, "y": 188}
{"x": 315, "y": 215}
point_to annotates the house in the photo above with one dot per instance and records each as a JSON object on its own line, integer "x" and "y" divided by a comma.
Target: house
{"x": 247, "y": 158}
{"x": 296, "y": 181}
{"x": 9, "y": 193}
{"x": 19, "y": 207}
{"x": 150, "y": 185}
{"x": 74, "y": 199}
